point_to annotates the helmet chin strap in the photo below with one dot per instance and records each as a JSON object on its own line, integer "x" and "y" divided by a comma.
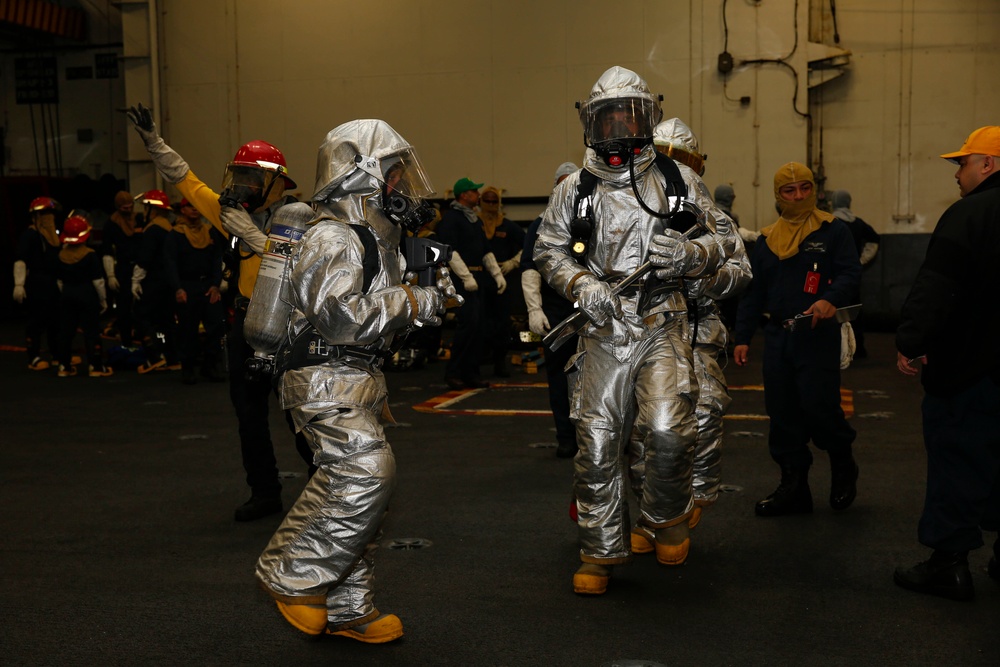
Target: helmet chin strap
{"x": 645, "y": 207}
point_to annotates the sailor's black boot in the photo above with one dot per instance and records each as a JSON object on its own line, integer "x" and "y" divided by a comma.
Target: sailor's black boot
{"x": 843, "y": 481}
{"x": 945, "y": 574}
{"x": 791, "y": 497}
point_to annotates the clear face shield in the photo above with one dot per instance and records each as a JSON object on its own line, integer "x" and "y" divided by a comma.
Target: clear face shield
{"x": 250, "y": 187}
{"x": 405, "y": 186}
{"x": 618, "y": 128}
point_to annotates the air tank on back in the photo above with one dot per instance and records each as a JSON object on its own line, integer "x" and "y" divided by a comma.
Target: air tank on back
{"x": 266, "y": 326}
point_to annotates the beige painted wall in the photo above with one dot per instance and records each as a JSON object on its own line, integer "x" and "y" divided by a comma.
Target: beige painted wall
{"x": 482, "y": 88}
{"x": 485, "y": 88}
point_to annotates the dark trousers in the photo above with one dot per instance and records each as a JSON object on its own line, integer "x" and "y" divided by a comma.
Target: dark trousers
{"x": 123, "y": 303}
{"x": 497, "y": 325}
{"x": 249, "y": 397}
{"x": 154, "y": 314}
{"x": 43, "y": 317}
{"x": 467, "y": 343}
{"x": 962, "y": 438}
{"x": 555, "y": 365}
{"x": 802, "y": 395}
{"x": 197, "y": 310}
{"x": 83, "y": 312}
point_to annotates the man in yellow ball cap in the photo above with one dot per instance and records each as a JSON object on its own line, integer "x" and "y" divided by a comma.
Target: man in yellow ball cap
{"x": 943, "y": 328}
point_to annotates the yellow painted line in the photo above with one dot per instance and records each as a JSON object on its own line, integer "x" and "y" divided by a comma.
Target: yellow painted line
{"x": 445, "y": 403}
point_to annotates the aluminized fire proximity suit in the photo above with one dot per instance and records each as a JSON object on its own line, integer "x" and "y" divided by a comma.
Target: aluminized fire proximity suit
{"x": 676, "y": 139}
{"x": 633, "y": 367}
{"x": 322, "y": 554}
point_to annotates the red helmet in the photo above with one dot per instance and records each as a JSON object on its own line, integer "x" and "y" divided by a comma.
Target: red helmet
{"x": 43, "y": 204}
{"x": 75, "y": 230}
{"x": 157, "y": 198}
{"x": 263, "y": 155}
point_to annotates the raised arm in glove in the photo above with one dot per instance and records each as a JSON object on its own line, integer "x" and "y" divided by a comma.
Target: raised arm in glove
{"x": 170, "y": 165}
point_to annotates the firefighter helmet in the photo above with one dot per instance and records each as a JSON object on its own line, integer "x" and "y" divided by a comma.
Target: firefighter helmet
{"x": 43, "y": 204}
{"x": 263, "y": 155}
{"x": 76, "y": 230}
{"x": 155, "y": 198}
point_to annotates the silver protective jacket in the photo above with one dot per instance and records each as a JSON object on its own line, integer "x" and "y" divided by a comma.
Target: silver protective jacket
{"x": 620, "y": 240}
{"x": 634, "y": 374}
{"x": 323, "y": 551}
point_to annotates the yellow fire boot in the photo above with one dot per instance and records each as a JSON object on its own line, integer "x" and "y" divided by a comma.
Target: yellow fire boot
{"x": 591, "y": 579}
{"x": 695, "y": 518}
{"x": 642, "y": 540}
{"x": 385, "y": 628}
{"x": 38, "y": 364}
{"x": 309, "y": 618}
{"x": 673, "y": 543}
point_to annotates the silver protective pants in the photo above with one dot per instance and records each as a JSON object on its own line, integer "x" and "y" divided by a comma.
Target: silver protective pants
{"x": 646, "y": 387}
{"x": 323, "y": 552}
{"x": 713, "y": 402}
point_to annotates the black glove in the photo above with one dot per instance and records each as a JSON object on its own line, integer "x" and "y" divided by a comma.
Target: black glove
{"x": 142, "y": 118}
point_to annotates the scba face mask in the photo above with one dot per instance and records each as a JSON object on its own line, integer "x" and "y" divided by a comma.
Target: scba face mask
{"x": 619, "y": 128}
{"x": 248, "y": 187}
{"x": 405, "y": 186}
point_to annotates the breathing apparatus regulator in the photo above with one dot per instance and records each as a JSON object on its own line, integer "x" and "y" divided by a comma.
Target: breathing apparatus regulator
{"x": 405, "y": 187}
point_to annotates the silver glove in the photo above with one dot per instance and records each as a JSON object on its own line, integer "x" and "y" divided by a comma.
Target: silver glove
{"x": 674, "y": 256}
{"x": 595, "y": 300}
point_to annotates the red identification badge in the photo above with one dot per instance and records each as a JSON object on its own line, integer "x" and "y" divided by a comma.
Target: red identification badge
{"x": 812, "y": 283}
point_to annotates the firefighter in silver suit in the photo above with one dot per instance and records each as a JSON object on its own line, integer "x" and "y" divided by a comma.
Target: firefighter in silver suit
{"x": 675, "y": 139}
{"x": 634, "y": 363}
{"x": 318, "y": 565}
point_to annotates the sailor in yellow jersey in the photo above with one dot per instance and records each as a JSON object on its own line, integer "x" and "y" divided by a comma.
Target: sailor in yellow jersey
{"x": 256, "y": 180}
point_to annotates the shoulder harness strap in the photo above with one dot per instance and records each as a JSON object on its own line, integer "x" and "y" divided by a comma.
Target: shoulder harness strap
{"x": 582, "y": 224}
{"x": 676, "y": 187}
{"x": 371, "y": 261}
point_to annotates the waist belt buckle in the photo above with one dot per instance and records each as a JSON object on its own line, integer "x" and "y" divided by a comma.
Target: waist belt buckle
{"x": 318, "y": 347}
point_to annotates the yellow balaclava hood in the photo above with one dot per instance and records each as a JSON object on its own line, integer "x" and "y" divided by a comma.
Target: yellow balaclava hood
{"x": 44, "y": 222}
{"x": 798, "y": 219}
{"x": 126, "y": 223}
{"x": 198, "y": 233}
{"x": 491, "y": 214}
